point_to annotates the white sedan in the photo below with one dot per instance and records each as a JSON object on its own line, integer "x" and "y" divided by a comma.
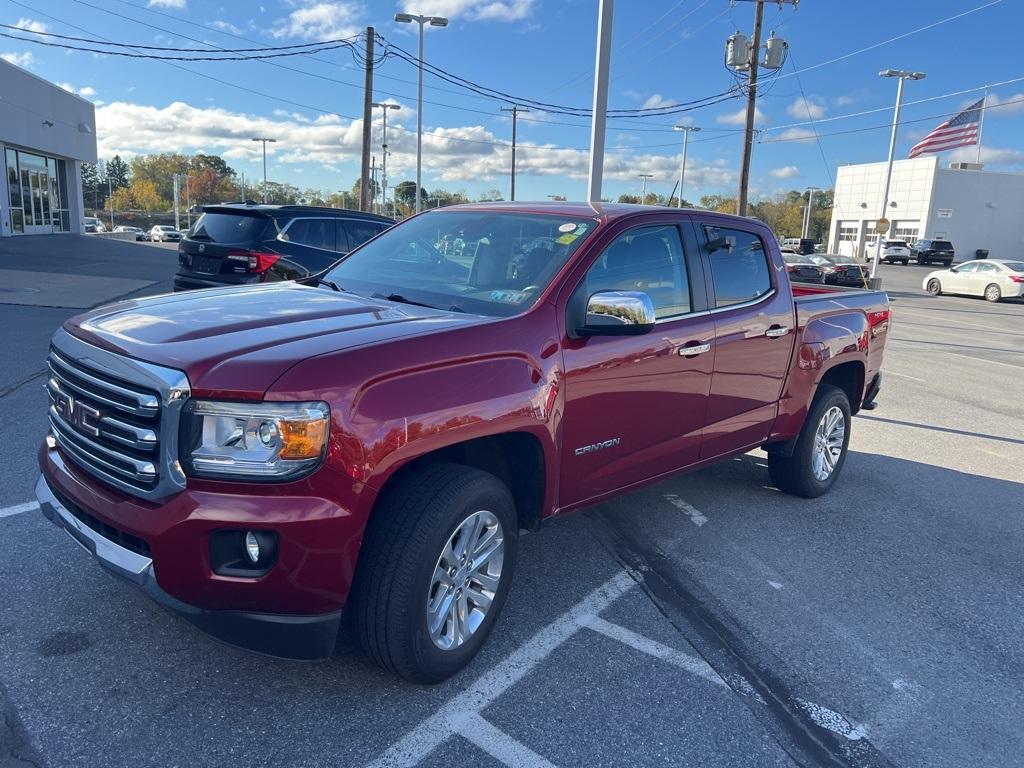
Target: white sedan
{"x": 994, "y": 279}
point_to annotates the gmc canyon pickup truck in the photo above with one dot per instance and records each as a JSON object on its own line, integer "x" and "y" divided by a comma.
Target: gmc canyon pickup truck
{"x": 373, "y": 440}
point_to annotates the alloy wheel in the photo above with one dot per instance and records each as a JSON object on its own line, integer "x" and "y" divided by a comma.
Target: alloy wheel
{"x": 829, "y": 438}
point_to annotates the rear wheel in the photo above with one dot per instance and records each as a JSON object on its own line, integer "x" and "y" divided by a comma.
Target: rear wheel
{"x": 993, "y": 293}
{"x": 905, "y": 262}
{"x": 820, "y": 451}
{"x": 935, "y": 287}
{"x": 435, "y": 569}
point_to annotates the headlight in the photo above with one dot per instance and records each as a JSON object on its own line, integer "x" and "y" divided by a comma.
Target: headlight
{"x": 253, "y": 441}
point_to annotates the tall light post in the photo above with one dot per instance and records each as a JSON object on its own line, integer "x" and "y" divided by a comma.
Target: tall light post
{"x": 807, "y": 211}
{"x": 903, "y": 76}
{"x": 384, "y": 106}
{"x": 644, "y": 177}
{"x": 434, "y": 21}
{"x": 265, "y": 140}
{"x": 687, "y": 130}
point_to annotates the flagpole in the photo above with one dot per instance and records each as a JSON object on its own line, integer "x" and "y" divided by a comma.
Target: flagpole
{"x": 981, "y": 121}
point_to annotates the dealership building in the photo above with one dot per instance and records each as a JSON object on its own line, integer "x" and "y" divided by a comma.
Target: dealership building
{"x": 972, "y": 208}
{"x": 46, "y": 133}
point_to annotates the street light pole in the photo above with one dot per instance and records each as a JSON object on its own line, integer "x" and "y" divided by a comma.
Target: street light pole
{"x": 686, "y": 129}
{"x": 903, "y": 75}
{"x": 384, "y": 106}
{"x": 434, "y": 21}
{"x": 807, "y": 211}
{"x": 264, "y": 140}
{"x": 515, "y": 109}
{"x": 645, "y": 177}
{"x": 599, "y": 113}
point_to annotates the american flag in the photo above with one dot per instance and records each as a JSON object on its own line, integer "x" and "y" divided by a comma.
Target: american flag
{"x": 959, "y": 131}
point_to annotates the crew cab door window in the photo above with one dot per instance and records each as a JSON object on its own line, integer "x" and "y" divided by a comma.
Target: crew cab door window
{"x": 647, "y": 259}
{"x": 739, "y": 266}
{"x": 315, "y": 233}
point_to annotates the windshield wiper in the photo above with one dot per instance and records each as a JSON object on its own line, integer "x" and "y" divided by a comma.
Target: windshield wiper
{"x": 330, "y": 284}
{"x": 399, "y": 298}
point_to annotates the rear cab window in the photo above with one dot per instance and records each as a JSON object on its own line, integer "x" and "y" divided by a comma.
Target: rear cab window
{"x": 740, "y": 270}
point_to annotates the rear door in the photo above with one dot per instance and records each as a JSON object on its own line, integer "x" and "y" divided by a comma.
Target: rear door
{"x": 982, "y": 277}
{"x": 755, "y": 321}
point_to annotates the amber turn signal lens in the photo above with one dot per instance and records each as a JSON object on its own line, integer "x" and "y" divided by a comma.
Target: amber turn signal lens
{"x": 302, "y": 439}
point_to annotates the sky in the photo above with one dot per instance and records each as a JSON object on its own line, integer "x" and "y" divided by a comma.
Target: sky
{"x": 826, "y": 107}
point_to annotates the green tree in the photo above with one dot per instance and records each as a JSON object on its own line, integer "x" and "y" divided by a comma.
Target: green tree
{"x": 90, "y": 185}
{"x": 117, "y": 172}
{"x": 405, "y": 195}
{"x": 160, "y": 170}
{"x": 215, "y": 163}
{"x": 358, "y": 185}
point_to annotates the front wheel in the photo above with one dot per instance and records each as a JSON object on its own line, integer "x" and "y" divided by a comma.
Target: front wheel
{"x": 935, "y": 287}
{"x": 993, "y": 293}
{"x": 436, "y": 567}
{"x": 820, "y": 450}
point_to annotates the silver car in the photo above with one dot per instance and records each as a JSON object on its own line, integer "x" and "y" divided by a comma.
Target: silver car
{"x": 994, "y": 279}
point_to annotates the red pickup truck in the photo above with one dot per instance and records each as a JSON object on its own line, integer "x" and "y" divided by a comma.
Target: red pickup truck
{"x": 261, "y": 458}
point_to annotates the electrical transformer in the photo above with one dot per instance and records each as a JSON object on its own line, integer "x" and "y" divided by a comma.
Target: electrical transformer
{"x": 774, "y": 53}
{"x": 737, "y": 51}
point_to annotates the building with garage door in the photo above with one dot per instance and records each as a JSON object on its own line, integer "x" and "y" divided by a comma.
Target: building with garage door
{"x": 972, "y": 208}
{"x": 46, "y": 133}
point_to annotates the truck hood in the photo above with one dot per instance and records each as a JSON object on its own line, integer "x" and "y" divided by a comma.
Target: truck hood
{"x": 235, "y": 342}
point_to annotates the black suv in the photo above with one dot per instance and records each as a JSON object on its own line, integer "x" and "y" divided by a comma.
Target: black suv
{"x": 240, "y": 243}
{"x": 927, "y": 251}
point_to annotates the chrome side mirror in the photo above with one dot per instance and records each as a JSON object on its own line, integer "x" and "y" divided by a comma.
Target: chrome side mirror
{"x": 618, "y": 313}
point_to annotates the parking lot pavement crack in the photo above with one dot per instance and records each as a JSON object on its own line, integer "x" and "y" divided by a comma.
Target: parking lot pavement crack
{"x": 5, "y": 391}
{"x": 735, "y": 655}
{"x": 16, "y": 750}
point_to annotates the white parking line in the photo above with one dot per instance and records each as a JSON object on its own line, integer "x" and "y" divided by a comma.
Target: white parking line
{"x": 17, "y": 509}
{"x": 994, "y": 362}
{"x": 691, "y": 512}
{"x": 832, "y": 720}
{"x": 499, "y": 744}
{"x": 432, "y": 732}
{"x": 628, "y": 637}
{"x": 887, "y": 372}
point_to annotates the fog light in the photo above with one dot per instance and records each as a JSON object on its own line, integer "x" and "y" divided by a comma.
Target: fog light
{"x": 252, "y": 547}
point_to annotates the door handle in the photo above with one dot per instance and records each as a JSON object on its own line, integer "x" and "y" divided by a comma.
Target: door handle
{"x": 776, "y": 331}
{"x": 692, "y": 350}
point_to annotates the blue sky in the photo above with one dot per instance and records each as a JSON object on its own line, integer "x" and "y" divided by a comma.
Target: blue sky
{"x": 665, "y": 51}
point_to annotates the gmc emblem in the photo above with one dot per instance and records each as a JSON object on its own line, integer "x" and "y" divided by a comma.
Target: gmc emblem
{"x": 84, "y": 417}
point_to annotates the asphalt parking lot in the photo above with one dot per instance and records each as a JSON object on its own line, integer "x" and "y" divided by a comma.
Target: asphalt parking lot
{"x": 708, "y": 620}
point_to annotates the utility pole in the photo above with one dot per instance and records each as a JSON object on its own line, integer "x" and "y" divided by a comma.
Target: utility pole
{"x": 177, "y": 219}
{"x": 384, "y": 106}
{"x": 807, "y": 212}
{"x": 744, "y": 57}
{"x": 364, "y": 176}
{"x": 643, "y": 194}
{"x": 515, "y": 109}
{"x": 264, "y": 140}
{"x": 687, "y": 130}
{"x": 602, "y": 64}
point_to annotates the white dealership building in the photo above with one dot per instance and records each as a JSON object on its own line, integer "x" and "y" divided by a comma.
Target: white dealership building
{"x": 46, "y": 133}
{"x": 972, "y": 208}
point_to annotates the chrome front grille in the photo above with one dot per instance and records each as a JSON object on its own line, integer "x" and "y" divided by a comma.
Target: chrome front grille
{"x": 115, "y": 417}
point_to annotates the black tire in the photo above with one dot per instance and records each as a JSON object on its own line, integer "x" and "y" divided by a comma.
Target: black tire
{"x": 993, "y": 293}
{"x": 404, "y": 539}
{"x": 795, "y": 474}
{"x": 935, "y": 287}
{"x": 905, "y": 262}
{"x": 921, "y": 261}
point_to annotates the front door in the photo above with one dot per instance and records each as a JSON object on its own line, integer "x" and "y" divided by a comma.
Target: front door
{"x": 634, "y": 406}
{"x": 35, "y": 187}
{"x": 754, "y": 333}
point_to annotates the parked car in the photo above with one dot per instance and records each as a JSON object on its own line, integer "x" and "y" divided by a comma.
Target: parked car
{"x": 93, "y": 225}
{"x": 927, "y": 251}
{"x": 140, "y": 234}
{"x": 843, "y": 270}
{"x": 373, "y": 440}
{"x": 994, "y": 279}
{"x": 237, "y": 244}
{"x": 164, "y": 233}
{"x": 801, "y": 269}
{"x": 895, "y": 252}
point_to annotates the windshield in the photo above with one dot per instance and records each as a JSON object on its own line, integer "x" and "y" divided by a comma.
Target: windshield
{"x": 842, "y": 260}
{"x": 482, "y": 262}
{"x": 793, "y": 258}
{"x": 895, "y": 244}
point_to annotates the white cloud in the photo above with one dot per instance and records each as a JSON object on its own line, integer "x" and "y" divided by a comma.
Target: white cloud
{"x": 23, "y": 59}
{"x": 797, "y": 135}
{"x": 785, "y": 172}
{"x": 85, "y": 92}
{"x": 989, "y": 156}
{"x": 806, "y": 109}
{"x": 457, "y": 154}
{"x": 739, "y": 117}
{"x": 178, "y": 5}
{"x": 226, "y": 26}
{"x": 844, "y": 101}
{"x": 31, "y": 25}
{"x": 473, "y": 10}
{"x": 324, "y": 20}
{"x": 656, "y": 100}
{"x": 1010, "y": 105}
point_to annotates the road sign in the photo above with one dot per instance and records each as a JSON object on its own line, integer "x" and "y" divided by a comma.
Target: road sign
{"x": 881, "y": 226}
